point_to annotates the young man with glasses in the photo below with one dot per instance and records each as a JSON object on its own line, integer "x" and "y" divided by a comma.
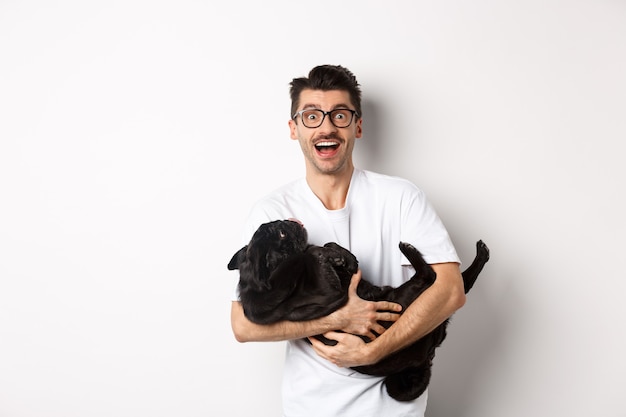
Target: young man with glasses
{"x": 368, "y": 214}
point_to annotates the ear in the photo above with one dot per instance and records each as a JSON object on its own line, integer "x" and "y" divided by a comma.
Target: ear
{"x": 293, "y": 129}
{"x": 359, "y": 128}
{"x": 238, "y": 258}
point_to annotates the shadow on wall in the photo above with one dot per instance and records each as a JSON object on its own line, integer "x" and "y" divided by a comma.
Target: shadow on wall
{"x": 368, "y": 152}
{"x": 476, "y": 336}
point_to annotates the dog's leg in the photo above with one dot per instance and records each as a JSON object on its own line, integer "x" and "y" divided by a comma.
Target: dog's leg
{"x": 471, "y": 273}
{"x": 413, "y": 255}
{"x": 415, "y": 258}
{"x": 339, "y": 256}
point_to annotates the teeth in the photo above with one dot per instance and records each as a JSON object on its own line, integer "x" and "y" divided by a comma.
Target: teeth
{"x": 326, "y": 144}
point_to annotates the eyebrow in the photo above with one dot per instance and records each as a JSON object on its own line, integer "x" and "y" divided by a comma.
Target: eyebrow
{"x": 335, "y": 107}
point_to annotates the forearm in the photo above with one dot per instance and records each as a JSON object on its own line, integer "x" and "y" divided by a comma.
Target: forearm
{"x": 247, "y": 331}
{"x": 431, "y": 309}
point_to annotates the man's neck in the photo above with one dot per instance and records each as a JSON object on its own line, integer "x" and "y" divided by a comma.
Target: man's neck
{"x": 331, "y": 189}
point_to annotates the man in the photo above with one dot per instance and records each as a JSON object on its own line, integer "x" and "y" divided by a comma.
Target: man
{"x": 369, "y": 214}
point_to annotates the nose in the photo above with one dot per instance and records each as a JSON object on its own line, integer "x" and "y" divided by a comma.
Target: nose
{"x": 327, "y": 125}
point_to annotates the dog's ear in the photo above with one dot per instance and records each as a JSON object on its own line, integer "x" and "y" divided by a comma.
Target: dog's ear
{"x": 238, "y": 258}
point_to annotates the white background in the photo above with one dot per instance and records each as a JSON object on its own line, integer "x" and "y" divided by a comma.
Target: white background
{"x": 135, "y": 135}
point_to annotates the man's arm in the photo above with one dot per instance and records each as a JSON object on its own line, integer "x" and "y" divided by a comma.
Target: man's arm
{"x": 247, "y": 331}
{"x": 358, "y": 316}
{"x": 431, "y": 308}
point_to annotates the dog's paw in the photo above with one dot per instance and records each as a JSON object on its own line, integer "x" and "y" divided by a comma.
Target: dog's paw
{"x": 482, "y": 251}
{"x": 407, "y": 248}
{"x": 415, "y": 257}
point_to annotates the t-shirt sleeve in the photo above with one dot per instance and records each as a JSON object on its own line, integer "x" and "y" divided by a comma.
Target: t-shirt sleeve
{"x": 426, "y": 231}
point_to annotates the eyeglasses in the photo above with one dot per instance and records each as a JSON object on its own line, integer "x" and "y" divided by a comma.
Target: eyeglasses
{"x": 312, "y": 118}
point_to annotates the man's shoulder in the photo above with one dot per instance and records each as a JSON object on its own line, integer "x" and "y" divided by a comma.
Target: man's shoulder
{"x": 390, "y": 183}
{"x": 282, "y": 197}
{"x": 287, "y": 189}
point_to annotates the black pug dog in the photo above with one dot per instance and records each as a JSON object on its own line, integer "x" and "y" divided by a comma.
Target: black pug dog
{"x": 282, "y": 277}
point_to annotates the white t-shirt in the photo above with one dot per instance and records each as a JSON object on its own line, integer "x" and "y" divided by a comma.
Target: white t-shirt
{"x": 380, "y": 212}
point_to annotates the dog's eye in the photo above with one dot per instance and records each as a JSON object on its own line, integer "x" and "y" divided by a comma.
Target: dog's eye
{"x": 282, "y": 234}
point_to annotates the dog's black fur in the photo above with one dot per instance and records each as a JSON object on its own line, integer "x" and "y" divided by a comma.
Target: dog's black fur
{"x": 282, "y": 277}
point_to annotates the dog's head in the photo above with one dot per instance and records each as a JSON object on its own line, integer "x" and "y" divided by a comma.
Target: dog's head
{"x": 270, "y": 245}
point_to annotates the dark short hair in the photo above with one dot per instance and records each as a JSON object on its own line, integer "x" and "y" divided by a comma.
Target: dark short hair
{"x": 326, "y": 78}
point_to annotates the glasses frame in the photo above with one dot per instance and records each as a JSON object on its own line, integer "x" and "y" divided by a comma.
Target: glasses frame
{"x": 324, "y": 114}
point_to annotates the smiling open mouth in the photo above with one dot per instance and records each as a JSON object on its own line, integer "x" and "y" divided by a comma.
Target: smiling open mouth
{"x": 326, "y": 146}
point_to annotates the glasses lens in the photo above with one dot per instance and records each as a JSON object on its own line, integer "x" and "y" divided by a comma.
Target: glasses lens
{"x": 341, "y": 117}
{"x": 312, "y": 118}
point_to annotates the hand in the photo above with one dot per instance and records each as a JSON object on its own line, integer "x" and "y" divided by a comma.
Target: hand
{"x": 349, "y": 351}
{"x": 361, "y": 317}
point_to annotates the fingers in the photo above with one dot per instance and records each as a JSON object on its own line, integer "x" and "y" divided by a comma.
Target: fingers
{"x": 320, "y": 346}
{"x": 354, "y": 282}
{"x": 388, "y": 306}
{"x": 321, "y": 349}
{"x": 349, "y": 350}
{"x": 387, "y": 317}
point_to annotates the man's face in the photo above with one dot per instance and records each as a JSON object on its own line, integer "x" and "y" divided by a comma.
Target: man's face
{"x": 326, "y": 148}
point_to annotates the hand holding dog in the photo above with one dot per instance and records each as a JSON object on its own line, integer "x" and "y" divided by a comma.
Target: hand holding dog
{"x": 362, "y": 317}
{"x": 349, "y": 351}
{"x": 357, "y": 317}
